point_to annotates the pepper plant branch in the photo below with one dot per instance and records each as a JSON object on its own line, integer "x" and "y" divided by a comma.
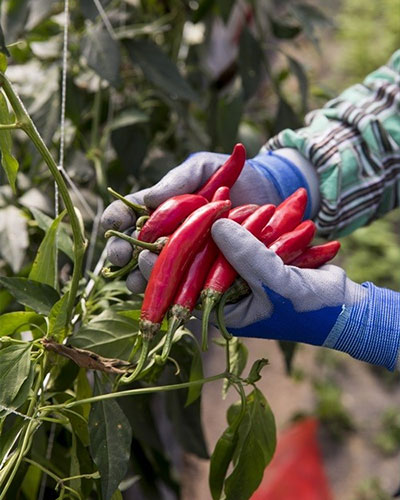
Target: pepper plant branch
{"x": 26, "y": 124}
{"x": 135, "y": 392}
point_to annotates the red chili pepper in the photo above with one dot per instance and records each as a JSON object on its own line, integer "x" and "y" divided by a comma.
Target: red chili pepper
{"x": 222, "y": 274}
{"x": 227, "y": 174}
{"x": 317, "y": 255}
{"x": 173, "y": 260}
{"x": 287, "y": 216}
{"x": 221, "y": 194}
{"x": 292, "y": 244}
{"x": 167, "y": 217}
{"x": 193, "y": 281}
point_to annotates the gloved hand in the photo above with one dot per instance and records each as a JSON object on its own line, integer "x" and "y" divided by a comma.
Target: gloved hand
{"x": 316, "y": 306}
{"x": 267, "y": 178}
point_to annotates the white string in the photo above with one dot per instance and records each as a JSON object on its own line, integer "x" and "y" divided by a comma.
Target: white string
{"x": 63, "y": 100}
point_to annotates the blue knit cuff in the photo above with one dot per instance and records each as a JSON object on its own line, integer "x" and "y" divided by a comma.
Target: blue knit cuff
{"x": 283, "y": 174}
{"x": 370, "y": 329}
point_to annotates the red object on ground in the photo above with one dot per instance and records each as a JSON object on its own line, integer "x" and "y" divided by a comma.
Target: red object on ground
{"x": 297, "y": 470}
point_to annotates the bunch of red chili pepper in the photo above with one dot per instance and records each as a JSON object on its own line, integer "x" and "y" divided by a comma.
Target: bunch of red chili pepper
{"x": 180, "y": 231}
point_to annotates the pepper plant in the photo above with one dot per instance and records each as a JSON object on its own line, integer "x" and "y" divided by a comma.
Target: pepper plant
{"x": 140, "y": 96}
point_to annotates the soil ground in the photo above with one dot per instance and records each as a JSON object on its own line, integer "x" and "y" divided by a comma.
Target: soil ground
{"x": 348, "y": 463}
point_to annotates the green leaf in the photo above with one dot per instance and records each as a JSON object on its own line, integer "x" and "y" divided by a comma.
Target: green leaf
{"x": 203, "y": 9}
{"x": 309, "y": 16}
{"x": 22, "y": 394}
{"x": 225, "y": 7}
{"x": 288, "y": 350}
{"x": 280, "y": 29}
{"x": 158, "y": 68}
{"x": 130, "y": 144}
{"x": 14, "y": 15}
{"x": 8, "y": 161}
{"x": 298, "y": 70}
{"x": 58, "y": 317}
{"x": 109, "y": 334}
{"x": 4, "y": 52}
{"x": 3, "y": 59}
{"x": 31, "y": 483}
{"x": 64, "y": 241}
{"x": 238, "y": 354}
{"x": 15, "y": 366}
{"x": 254, "y": 450}
{"x": 37, "y": 296}
{"x": 110, "y": 443}
{"x": 229, "y": 113}
{"x": 11, "y": 322}
{"x": 127, "y": 117}
{"x": 13, "y": 236}
{"x": 285, "y": 117}
{"x": 44, "y": 267}
{"x": 250, "y": 63}
{"x": 196, "y": 373}
{"x": 220, "y": 460}
{"x": 9, "y": 436}
{"x": 102, "y": 54}
{"x": 255, "y": 371}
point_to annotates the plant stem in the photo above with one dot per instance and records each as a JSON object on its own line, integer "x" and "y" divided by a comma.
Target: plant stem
{"x": 56, "y": 478}
{"x": 134, "y": 392}
{"x": 10, "y": 126}
{"x": 80, "y": 242}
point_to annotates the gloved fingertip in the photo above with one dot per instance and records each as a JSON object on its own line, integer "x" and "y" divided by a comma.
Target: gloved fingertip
{"x": 119, "y": 252}
{"x": 117, "y": 216}
{"x": 136, "y": 282}
{"x": 146, "y": 262}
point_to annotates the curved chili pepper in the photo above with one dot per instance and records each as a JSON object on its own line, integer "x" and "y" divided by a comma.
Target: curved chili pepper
{"x": 222, "y": 193}
{"x": 162, "y": 222}
{"x": 222, "y": 274}
{"x": 292, "y": 244}
{"x": 287, "y": 216}
{"x": 167, "y": 216}
{"x": 173, "y": 260}
{"x": 317, "y": 255}
{"x": 193, "y": 281}
{"x": 227, "y": 174}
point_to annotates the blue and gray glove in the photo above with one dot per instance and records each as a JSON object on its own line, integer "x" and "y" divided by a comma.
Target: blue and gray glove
{"x": 270, "y": 177}
{"x": 322, "y": 306}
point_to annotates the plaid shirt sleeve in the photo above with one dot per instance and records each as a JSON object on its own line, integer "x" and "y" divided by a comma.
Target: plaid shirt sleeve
{"x": 354, "y": 145}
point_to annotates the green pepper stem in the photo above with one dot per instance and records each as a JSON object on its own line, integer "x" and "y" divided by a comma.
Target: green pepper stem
{"x": 153, "y": 247}
{"x": 209, "y": 302}
{"x": 221, "y": 318}
{"x": 142, "y": 221}
{"x": 140, "y": 364}
{"x": 140, "y": 209}
{"x": 119, "y": 273}
{"x": 173, "y": 324}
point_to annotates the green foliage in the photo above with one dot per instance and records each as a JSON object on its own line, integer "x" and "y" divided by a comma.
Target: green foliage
{"x": 388, "y": 439}
{"x": 371, "y": 253}
{"x": 330, "y": 410}
{"x": 369, "y": 32}
{"x": 371, "y": 489}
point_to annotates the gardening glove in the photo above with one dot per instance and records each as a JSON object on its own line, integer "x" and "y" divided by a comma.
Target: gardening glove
{"x": 322, "y": 306}
{"x": 270, "y": 177}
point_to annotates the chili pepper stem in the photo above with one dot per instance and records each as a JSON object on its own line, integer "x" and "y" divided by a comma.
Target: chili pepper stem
{"x": 142, "y": 221}
{"x": 141, "y": 209}
{"x": 220, "y": 316}
{"x": 173, "y": 324}
{"x": 210, "y": 299}
{"x": 119, "y": 273}
{"x": 153, "y": 247}
{"x": 126, "y": 379}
